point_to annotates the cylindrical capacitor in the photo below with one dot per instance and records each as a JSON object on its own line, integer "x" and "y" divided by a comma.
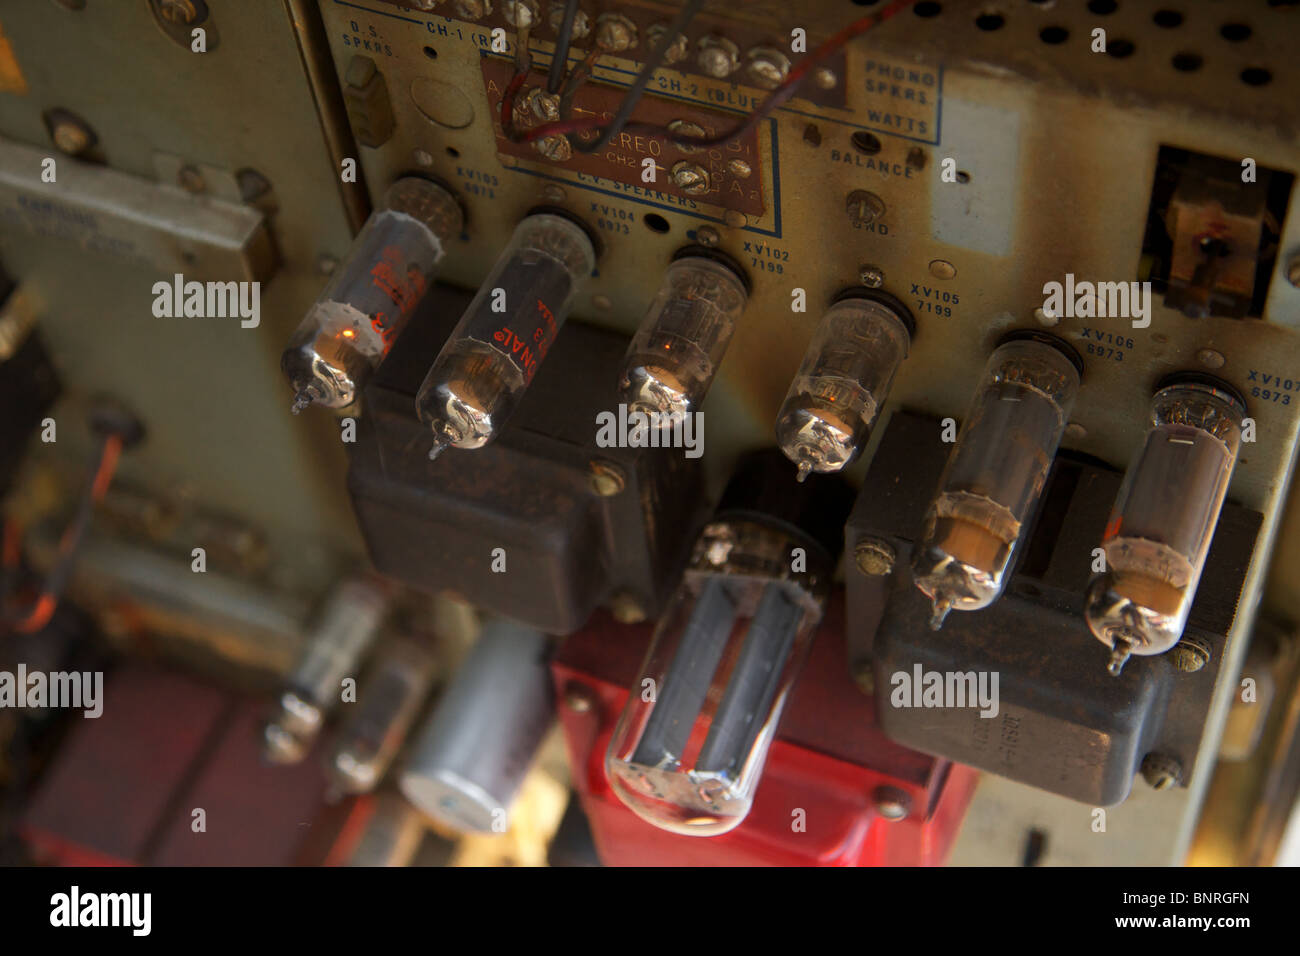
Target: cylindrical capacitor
{"x": 344, "y": 632}
{"x": 1160, "y": 529}
{"x": 676, "y": 351}
{"x": 843, "y": 381}
{"x": 472, "y": 754}
{"x": 688, "y": 751}
{"x": 371, "y": 294}
{"x": 996, "y": 472}
{"x": 500, "y": 342}
{"x": 385, "y": 707}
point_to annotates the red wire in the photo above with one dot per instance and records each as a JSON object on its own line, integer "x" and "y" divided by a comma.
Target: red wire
{"x": 46, "y": 603}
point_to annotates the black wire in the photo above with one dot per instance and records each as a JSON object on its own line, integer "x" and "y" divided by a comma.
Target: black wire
{"x": 561, "y": 58}
{"x": 676, "y": 28}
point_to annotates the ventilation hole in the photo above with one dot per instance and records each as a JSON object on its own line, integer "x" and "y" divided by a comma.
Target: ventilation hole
{"x": 865, "y": 143}
{"x": 1168, "y": 19}
{"x": 453, "y": 152}
{"x": 655, "y": 222}
{"x": 927, "y": 9}
{"x": 1187, "y": 62}
{"x": 1283, "y": 3}
{"x": 812, "y": 135}
{"x": 1234, "y": 32}
{"x": 1256, "y": 76}
{"x": 963, "y": 176}
{"x": 990, "y": 21}
{"x": 1120, "y": 49}
{"x": 916, "y": 157}
{"x": 864, "y": 3}
{"x": 1054, "y": 35}
{"x": 1102, "y": 7}
{"x": 431, "y": 53}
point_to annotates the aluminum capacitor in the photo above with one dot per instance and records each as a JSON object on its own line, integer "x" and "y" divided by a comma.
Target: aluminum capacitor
{"x": 473, "y": 752}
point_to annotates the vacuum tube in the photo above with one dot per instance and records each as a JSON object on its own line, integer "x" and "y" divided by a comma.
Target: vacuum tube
{"x": 495, "y": 350}
{"x": 1160, "y": 529}
{"x": 345, "y": 630}
{"x": 676, "y": 351}
{"x": 843, "y": 381}
{"x": 688, "y": 750}
{"x": 996, "y": 472}
{"x": 371, "y": 295}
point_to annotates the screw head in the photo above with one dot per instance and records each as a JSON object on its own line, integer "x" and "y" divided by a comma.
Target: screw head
{"x": 739, "y": 168}
{"x": 191, "y": 180}
{"x": 473, "y": 9}
{"x": 605, "y": 478}
{"x": 825, "y": 78}
{"x": 874, "y": 557}
{"x": 718, "y": 57}
{"x": 626, "y": 609}
{"x": 687, "y": 128}
{"x": 183, "y": 12}
{"x": 71, "y": 137}
{"x": 942, "y": 269}
{"x": 1189, "y": 655}
{"x": 1293, "y": 271}
{"x": 553, "y": 192}
{"x": 863, "y": 207}
{"x": 767, "y": 68}
{"x": 579, "y": 698}
{"x": 615, "y": 33}
{"x": 581, "y": 22}
{"x": 690, "y": 177}
{"x": 707, "y": 236}
{"x": 873, "y": 277}
{"x": 891, "y": 803}
{"x": 555, "y": 148}
{"x": 521, "y": 14}
{"x": 1210, "y": 358}
{"x": 1161, "y": 771}
{"x": 677, "y": 51}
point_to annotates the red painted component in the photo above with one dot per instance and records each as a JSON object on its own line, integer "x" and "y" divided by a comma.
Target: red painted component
{"x": 123, "y": 787}
{"x": 828, "y": 759}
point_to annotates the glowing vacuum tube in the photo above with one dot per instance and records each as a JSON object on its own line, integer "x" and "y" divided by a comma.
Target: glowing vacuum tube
{"x": 672, "y": 360}
{"x": 996, "y": 472}
{"x": 1160, "y": 529}
{"x": 346, "y": 628}
{"x": 495, "y": 350}
{"x": 371, "y": 294}
{"x": 688, "y": 750}
{"x": 843, "y": 381}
